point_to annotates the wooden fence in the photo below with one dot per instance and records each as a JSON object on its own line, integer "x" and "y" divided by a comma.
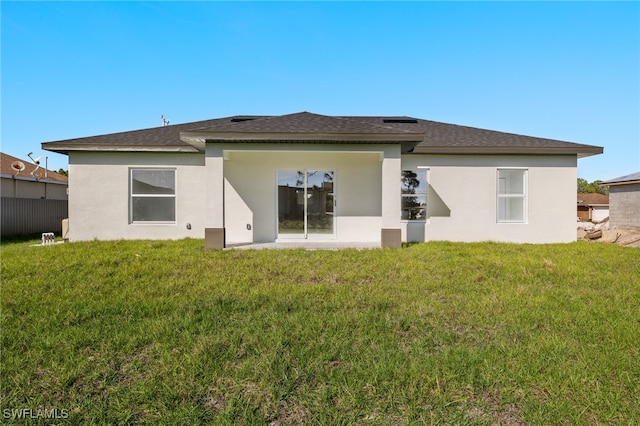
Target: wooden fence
{"x": 24, "y": 216}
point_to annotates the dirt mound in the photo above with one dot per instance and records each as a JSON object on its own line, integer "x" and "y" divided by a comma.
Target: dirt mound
{"x": 622, "y": 237}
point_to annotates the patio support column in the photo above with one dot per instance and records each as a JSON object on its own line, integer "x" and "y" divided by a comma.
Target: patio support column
{"x": 391, "y": 234}
{"x": 214, "y": 233}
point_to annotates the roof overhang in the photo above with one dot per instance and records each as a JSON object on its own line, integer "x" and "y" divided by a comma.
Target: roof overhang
{"x": 33, "y": 179}
{"x": 62, "y": 148}
{"x": 198, "y": 139}
{"x": 628, "y": 182}
{"x": 477, "y": 150}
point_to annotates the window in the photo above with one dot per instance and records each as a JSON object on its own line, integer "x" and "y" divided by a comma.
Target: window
{"x": 414, "y": 195}
{"x": 512, "y": 195}
{"x": 153, "y": 195}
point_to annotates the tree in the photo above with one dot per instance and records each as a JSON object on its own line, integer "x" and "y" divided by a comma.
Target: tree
{"x": 63, "y": 172}
{"x": 585, "y": 187}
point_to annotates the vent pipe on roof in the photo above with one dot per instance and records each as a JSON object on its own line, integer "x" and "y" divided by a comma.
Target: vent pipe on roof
{"x": 164, "y": 121}
{"x": 399, "y": 120}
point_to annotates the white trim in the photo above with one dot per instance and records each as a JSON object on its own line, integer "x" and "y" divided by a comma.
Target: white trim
{"x": 196, "y": 136}
{"x": 306, "y": 235}
{"x": 426, "y": 192}
{"x": 120, "y": 148}
{"x": 524, "y": 196}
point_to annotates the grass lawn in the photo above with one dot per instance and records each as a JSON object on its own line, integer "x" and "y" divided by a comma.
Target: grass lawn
{"x": 436, "y": 333}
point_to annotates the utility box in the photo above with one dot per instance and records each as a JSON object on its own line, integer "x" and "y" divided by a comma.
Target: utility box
{"x": 65, "y": 230}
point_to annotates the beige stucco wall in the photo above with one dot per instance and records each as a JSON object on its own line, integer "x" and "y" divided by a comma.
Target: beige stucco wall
{"x": 99, "y": 196}
{"x": 462, "y": 195}
{"x": 250, "y": 173}
{"x": 22, "y": 188}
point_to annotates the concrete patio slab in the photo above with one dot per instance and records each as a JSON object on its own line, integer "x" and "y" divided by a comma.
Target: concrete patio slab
{"x": 304, "y": 245}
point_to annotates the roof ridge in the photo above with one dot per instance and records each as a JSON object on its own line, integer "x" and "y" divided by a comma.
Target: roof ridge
{"x": 354, "y": 117}
{"x": 302, "y": 118}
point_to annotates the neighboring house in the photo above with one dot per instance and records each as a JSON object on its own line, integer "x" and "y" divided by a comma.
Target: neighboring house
{"x": 624, "y": 201}
{"x": 33, "y": 199}
{"x": 31, "y": 182}
{"x": 593, "y": 207}
{"x": 305, "y": 176}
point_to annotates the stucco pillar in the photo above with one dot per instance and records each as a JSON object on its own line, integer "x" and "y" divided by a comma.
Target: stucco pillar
{"x": 214, "y": 232}
{"x": 391, "y": 234}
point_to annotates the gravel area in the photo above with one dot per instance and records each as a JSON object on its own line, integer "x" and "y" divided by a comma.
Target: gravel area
{"x": 622, "y": 237}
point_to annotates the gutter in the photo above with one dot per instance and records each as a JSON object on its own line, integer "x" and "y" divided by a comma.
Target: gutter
{"x": 628, "y": 182}
{"x": 65, "y": 149}
{"x": 580, "y": 152}
{"x": 30, "y": 179}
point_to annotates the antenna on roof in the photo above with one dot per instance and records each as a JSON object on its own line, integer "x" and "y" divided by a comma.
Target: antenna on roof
{"x": 164, "y": 121}
{"x": 35, "y": 161}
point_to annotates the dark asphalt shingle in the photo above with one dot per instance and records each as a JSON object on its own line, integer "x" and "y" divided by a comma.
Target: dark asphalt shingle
{"x": 436, "y": 137}
{"x": 627, "y": 178}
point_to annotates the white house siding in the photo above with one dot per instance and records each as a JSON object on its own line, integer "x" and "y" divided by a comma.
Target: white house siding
{"x": 250, "y": 172}
{"x": 462, "y": 195}
{"x": 99, "y": 195}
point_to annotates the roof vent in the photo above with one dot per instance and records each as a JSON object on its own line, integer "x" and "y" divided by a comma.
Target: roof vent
{"x": 399, "y": 120}
{"x": 241, "y": 119}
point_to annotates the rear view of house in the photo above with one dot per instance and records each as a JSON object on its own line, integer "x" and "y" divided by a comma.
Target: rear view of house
{"x": 304, "y": 176}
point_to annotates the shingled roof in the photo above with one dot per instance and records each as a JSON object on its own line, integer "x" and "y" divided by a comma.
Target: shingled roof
{"x": 623, "y": 180}
{"x": 426, "y": 137}
{"x": 153, "y": 139}
{"x": 591, "y": 199}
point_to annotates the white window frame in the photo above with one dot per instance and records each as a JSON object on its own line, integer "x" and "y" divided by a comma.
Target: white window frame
{"x": 132, "y": 196}
{"x": 523, "y": 196}
{"x": 418, "y": 171}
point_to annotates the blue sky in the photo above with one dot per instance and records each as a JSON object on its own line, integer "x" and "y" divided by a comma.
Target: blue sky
{"x": 562, "y": 70}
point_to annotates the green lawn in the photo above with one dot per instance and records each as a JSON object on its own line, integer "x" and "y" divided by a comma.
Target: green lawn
{"x": 436, "y": 333}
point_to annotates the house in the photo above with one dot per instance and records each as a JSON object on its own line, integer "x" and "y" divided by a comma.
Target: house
{"x": 32, "y": 181}
{"x": 624, "y": 196}
{"x": 34, "y": 199}
{"x": 593, "y": 207}
{"x": 304, "y": 176}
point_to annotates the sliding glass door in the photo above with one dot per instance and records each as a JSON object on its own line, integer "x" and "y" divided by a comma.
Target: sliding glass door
{"x": 305, "y": 203}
